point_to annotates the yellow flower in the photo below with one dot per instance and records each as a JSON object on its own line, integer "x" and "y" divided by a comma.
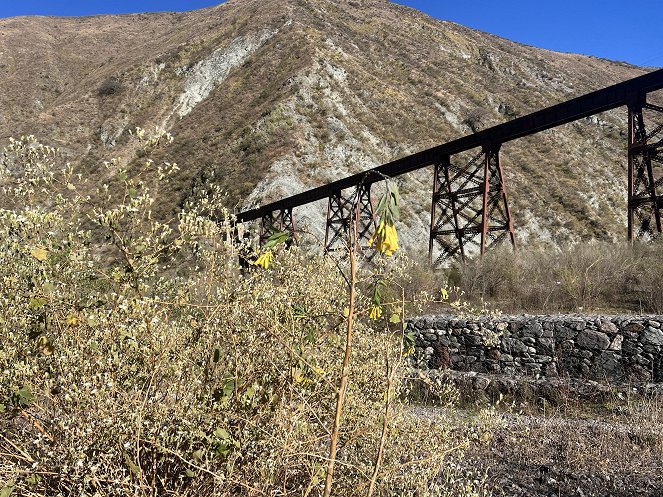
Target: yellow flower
{"x": 264, "y": 260}
{"x": 445, "y": 294}
{"x": 376, "y": 312}
{"x": 385, "y": 239}
{"x": 39, "y": 253}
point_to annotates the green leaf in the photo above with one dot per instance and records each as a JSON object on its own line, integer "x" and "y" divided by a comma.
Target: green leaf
{"x": 48, "y": 287}
{"x": 298, "y": 311}
{"x": 228, "y": 386}
{"x": 275, "y": 239}
{"x": 409, "y": 338}
{"x": 190, "y": 473}
{"x": 381, "y": 206}
{"x": 8, "y": 489}
{"x": 395, "y": 318}
{"x": 33, "y": 479}
{"x": 222, "y": 434}
{"x": 198, "y": 455}
{"x": 250, "y": 392}
{"x": 23, "y": 397}
{"x": 37, "y": 303}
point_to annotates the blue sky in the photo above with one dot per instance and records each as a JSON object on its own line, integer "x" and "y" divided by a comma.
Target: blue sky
{"x": 615, "y": 29}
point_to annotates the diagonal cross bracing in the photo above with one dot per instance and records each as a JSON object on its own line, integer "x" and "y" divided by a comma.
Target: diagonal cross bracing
{"x": 343, "y": 210}
{"x": 645, "y": 169}
{"x": 274, "y": 222}
{"x": 470, "y": 210}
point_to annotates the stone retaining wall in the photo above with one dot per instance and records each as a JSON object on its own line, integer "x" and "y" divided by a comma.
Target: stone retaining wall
{"x": 614, "y": 348}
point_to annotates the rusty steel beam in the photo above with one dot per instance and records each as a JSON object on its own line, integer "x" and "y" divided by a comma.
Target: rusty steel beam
{"x": 470, "y": 208}
{"x": 645, "y": 169}
{"x": 614, "y": 96}
{"x": 342, "y": 211}
{"x": 276, "y": 221}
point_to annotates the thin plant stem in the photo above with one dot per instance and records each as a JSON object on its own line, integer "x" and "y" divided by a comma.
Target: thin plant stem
{"x": 391, "y": 375}
{"x": 345, "y": 370}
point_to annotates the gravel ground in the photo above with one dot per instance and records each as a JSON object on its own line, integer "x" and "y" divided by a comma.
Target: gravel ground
{"x": 579, "y": 450}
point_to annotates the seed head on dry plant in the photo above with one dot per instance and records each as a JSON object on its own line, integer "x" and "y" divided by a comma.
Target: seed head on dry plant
{"x": 138, "y": 358}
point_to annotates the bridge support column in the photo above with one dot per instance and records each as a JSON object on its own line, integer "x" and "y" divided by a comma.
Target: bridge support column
{"x": 645, "y": 170}
{"x": 273, "y": 222}
{"x": 470, "y": 208}
{"x": 344, "y": 210}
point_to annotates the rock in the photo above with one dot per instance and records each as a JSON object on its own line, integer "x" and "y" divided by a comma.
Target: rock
{"x": 637, "y": 373}
{"x": 607, "y": 326}
{"x": 567, "y": 346}
{"x": 546, "y": 346}
{"x": 631, "y": 347}
{"x": 514, "y": 346}
{"x": 586, "y": 354}
{"x": 551, "y": 370}
{"x": 506, "y": 358}
{"x": 616, "y": 343}
{"x": 577, "y": 325}
{"x": 494, "y": 354}
{"x": 608, "y": 364}
{"x": 533, "y": 329}
{"x": 654, "y": 324}
{"x": 481, "y": 383}
{"x": 634, "y": 327}
{"x": 652, "y": 336}
{"x": 594, "y": 340}
{"x": 563, "y": 333}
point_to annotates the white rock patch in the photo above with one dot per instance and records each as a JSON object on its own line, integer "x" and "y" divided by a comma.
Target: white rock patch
{"x": 203, "y": 77}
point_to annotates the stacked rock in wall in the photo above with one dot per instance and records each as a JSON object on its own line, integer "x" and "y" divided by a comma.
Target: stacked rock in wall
{"x": 613, "y": 348}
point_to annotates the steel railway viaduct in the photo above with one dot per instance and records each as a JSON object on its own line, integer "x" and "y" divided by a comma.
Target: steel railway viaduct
{"x": 469, "y": 200}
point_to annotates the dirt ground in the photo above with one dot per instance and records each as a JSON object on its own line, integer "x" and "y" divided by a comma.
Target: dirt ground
{"x": 579, "y": 448}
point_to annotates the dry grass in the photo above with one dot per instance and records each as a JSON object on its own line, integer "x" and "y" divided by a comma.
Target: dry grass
{"x": 594, "y": 277}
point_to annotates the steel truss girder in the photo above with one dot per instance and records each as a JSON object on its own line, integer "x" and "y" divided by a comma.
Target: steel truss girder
{"x": 276, "y": 221}
{"x": 645, "y": 170}
{"x": 470, "y": 207}
{"x": 342, "y": 211}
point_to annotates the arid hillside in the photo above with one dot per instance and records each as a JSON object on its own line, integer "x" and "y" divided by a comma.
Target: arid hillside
{"x": 268, "y": 98}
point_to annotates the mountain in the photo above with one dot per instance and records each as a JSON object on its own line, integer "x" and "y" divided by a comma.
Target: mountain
{"x": 267, "y": 98}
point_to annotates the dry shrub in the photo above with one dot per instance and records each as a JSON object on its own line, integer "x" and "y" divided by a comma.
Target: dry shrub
{"x": 138, "y": 358}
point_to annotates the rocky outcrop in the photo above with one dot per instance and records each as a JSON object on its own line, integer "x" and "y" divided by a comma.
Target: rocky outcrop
{"x": 614, "y": 348}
